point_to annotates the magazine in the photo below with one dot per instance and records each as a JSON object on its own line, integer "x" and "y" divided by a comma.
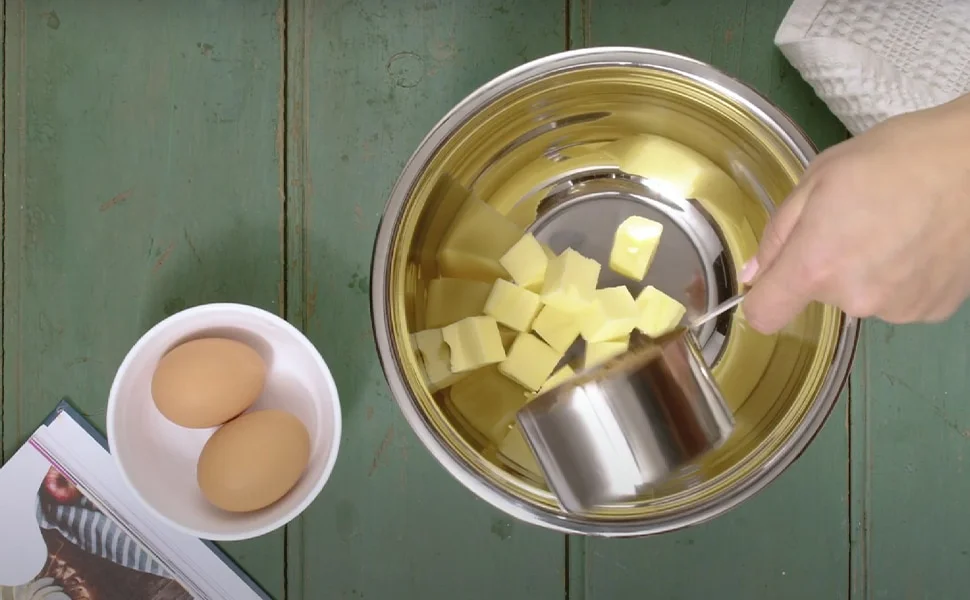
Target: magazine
{"x": 71, "y": 530}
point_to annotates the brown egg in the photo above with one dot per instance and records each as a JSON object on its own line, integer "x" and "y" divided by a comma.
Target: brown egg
{"x": 206, "y": 382}
{"x": 254, "y": 460}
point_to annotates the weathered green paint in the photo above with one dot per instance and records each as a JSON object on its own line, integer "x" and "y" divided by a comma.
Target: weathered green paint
{"x": 160, "y": 155}
{"x": 791, "y": 540}
{"x": 366, "y": 81}
{"x": 141, "y": 177}
{"x": 913, "y": 467}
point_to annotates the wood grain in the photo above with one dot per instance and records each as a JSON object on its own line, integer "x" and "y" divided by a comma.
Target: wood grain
{"x": 141, "y": 178}
{"x": 791, "y": 540}
{"x": 366, "y": 81}
{"x": 912, "y": 468}
{"x": 160, "y": 155}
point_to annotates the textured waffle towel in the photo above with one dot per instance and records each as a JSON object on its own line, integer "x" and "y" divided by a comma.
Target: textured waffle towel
{"x": 873, "y": 59}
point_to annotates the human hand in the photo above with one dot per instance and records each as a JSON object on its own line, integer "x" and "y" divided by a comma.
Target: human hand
{"x": 879, "y": 226}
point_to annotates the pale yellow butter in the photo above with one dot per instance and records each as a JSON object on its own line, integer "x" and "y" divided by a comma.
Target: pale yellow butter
{"x": 474, "y": 342}
{"x": 530, "y": 362}
{"x": 598, "y": 352}
{"x": 634, "y": 246}
{"x": 488, "y": 401}
{"x": 508, "y": 336}
{"x": 548, "y": 252}
{"x": 659, "y": 313}
{"x": 557, "y": 327}
{"x": 561, "y": 375}
{"x": 450, "y": 300}
{"x": 512, "y": 305}
{"x": 571, "y": 279}
{"x": 475, "y": 242}
{"x": 436, "y": 358}
{"x": 612, "y": 315}
{"x": 526, "y": 262}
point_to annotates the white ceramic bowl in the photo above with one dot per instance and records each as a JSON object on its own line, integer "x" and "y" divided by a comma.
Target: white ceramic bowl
{"x": 158, "y": 458}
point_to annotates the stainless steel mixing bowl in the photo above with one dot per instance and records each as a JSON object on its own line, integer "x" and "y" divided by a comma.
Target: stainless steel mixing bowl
{"x": 566, "y": 147}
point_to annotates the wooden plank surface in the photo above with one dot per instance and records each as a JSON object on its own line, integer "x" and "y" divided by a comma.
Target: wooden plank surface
{"x": 157, "y": 155}
{"x": 141, "y": 177}
{"x": 790, "y": 541}
{"x": 366, "y": 81}
{"x": 912, "y": 469}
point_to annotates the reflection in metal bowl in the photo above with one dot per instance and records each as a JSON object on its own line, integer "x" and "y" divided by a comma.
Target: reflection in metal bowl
{"x": 566, "y": 147}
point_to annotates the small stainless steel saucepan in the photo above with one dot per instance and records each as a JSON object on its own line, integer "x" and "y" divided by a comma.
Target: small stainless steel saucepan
{"x": 614, "y": 431}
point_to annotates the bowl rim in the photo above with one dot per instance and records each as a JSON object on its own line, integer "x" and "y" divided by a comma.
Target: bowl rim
{"x": 335, "y": 408}
{"x": 767, "y": 113}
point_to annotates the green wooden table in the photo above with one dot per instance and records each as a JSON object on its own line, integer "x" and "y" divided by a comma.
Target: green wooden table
{"x": 157, "y": 155}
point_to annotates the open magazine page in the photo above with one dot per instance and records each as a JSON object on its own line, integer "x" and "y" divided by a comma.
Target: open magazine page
{"x": 70, "y": 529}
{"x": 87, "y": 556}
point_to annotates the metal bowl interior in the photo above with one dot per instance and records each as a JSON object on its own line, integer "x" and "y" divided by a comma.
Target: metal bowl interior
{"x": 608, "y": 120}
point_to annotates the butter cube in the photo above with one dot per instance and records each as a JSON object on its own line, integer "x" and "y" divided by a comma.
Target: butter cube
{"x": 474, "y": 342}
{"x": 548, "y": 252}
{"x": 475, "y": 242}
{"x": 526, "y": 262}
{"x": 435, "y": 356}
{"x": 530, "y": 362}
{"x": 558, "y": 377}
{"x": 557, "y": 327}
{"x": 634, "y": 246}
{"x": 512, "y": 305}
{"x": 571, "y": 279}
{"x": 598, "y": 352}
{"x": 508, "y": 336}
{"x": 659, "y": 313}
{"x": 450, "y": 300}
{"x": 612, "y": 315}
{"x": 488, "y": 401}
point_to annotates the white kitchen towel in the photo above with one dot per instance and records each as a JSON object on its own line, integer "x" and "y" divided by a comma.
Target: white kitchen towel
{"x": 869, "y": 60}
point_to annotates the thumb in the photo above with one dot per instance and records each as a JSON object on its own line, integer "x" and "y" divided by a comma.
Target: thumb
{"x": 780, "y": 291}
{"x": 775, "y": 235}
{"x": 785, "y": 288}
